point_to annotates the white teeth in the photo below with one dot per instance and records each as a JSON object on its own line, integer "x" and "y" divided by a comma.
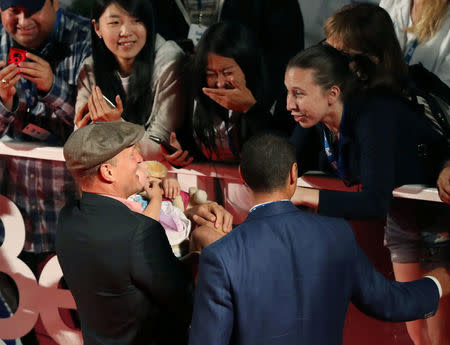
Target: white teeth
{"x": 126, "y": 44}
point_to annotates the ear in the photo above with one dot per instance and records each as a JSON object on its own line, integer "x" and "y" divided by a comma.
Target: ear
{"x": 242, "y": 177}
{"x": 293, "y": 174}
{"x": 334, "y": 94}
{"x": 107, "y": 173}
{"x": 96, "y": 28}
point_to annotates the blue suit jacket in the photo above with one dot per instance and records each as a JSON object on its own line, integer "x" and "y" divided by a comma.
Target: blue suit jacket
{"x": 285, "y": 276}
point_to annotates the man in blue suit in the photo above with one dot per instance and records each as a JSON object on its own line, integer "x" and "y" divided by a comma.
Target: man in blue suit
{"x": 286, "y": 276}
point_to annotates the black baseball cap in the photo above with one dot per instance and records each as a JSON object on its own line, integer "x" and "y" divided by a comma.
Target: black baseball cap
{"x": 31, "y": 5}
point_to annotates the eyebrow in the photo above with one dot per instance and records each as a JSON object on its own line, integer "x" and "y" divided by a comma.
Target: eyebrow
{"x": 223, "y": 69}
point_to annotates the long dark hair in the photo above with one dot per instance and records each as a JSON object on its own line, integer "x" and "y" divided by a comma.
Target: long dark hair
{"x": 139, "y": 99}
{"x": 368, "y": 29}
{"x": 234, "y": 41}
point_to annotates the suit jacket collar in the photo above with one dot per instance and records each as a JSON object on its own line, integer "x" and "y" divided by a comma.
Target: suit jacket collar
{"x": 272, "y": 209}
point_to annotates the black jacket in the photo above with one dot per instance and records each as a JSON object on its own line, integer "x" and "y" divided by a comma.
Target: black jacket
{"x": 128, "y": 286}
{"x": 380, "y": 150}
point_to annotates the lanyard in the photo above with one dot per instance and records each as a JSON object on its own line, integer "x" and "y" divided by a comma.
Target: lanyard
{"x": 409, "y": 53}
{"x": 185, "y": 13}
{"x": 336, "y": 164}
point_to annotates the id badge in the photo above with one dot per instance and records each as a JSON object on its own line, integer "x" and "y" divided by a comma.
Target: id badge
{"x": 196, "y": 32}
{"x": 36, "y": 132}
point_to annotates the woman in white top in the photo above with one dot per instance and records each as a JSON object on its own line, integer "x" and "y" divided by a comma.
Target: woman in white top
{"x": 423, "y": 30}
{"x": 135, "y": 69}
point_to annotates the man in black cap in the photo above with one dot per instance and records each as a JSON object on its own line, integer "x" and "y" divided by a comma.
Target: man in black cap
{"x": 41, "y": 52}
{"x": 128, "y": 286}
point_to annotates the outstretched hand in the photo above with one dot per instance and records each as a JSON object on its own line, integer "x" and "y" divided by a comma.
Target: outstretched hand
{"x": 238, "y": 99}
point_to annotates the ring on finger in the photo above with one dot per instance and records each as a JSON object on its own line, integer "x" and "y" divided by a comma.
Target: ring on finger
{"x": 4, "y": 81}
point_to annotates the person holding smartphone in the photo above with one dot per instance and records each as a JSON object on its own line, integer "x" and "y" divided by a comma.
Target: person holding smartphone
{"x": 144, "y": 87}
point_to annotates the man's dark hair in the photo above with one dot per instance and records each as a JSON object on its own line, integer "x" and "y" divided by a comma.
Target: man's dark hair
{"x": 266, "y": 161}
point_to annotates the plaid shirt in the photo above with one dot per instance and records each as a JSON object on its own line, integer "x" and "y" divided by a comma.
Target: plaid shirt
{"x": 40, "y": 188}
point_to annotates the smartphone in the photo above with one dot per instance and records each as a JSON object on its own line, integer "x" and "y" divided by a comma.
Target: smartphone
{"x": 16, "y": 56}
{"x": 169, "y": 148}
{"x": 111, "y": 104}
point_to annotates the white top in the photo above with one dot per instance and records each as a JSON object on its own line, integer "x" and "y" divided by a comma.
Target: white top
{"x": 434, "y": 53}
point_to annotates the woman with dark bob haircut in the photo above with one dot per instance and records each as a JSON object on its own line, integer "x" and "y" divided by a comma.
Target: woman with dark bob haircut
{"x": 229, "y": 97}
{"x": 134, "y": 68}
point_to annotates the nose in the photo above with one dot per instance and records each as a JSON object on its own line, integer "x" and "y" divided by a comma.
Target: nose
{"x": 290, "y": 103}
{"x": 124, "y": 30}
{"x": 221, "y": 81}
{"x": 21, "y": 17}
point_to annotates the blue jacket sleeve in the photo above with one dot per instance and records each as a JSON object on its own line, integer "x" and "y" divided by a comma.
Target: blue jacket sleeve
{"x": 212, "y": 320}
{"x": 383, "y": 299}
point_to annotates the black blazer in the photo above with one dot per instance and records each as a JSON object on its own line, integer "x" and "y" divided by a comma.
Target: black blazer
{"x": 380, "y": 137}
{"x": 128, "y": 286}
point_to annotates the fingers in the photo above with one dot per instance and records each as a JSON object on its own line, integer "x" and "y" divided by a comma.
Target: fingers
{"x": 171, "y": 188}
{"x": 217, "y": 92}
{"x": 443, "y": 185}
{"x": 9, "y": 73}
{"x": 227, "y": 222}
{"x": 173, "y": 141}
{"x": 200, "y": 221}
{"x": 35, "y": 58}
{"x": 92, "y": 108}
{"x": 236, "y": 84}
{"x": 216, "y": 98}
{"x": 445, "y": 197}
{"x": 82, "y": 117}
{"x": 119, "y": 104}
{"x": 179, "y": 158}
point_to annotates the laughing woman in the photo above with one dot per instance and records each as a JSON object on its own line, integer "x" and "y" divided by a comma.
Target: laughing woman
{"x": 134, "y": 68}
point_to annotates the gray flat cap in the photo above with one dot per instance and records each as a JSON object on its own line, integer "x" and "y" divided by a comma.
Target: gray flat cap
{"x": 98, "y": 142}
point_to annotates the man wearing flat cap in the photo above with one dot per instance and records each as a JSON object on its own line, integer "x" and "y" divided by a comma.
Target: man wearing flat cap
{"x": 128, "y": 286}
{"x": 37, "y": 98}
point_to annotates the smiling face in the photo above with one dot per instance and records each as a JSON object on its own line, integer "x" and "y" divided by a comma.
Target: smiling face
{"x": 29, "y": 30}
{"x": 126, "y": 170}
{"x": 220, "y": 70}
{"x": 123, "y": 34}
{"x": 306, "y": 100}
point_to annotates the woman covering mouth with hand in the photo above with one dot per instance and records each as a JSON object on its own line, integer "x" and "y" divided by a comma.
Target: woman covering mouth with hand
{"x": 134, "y": 68}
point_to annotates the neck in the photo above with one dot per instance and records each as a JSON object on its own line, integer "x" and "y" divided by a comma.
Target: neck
{"x": 333, "y": 119}
{"x": 104, "y": 190}
{"x": 262, "y": 197}
{"x": 125, "y": 67}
